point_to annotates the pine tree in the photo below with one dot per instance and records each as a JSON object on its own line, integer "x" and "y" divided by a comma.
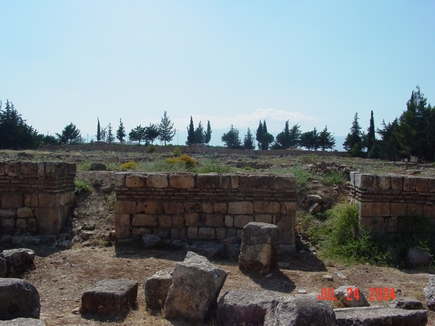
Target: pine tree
{"x": 70, "y": 134}
{"x": 371, "y": 136}
{"x": 232, "y": 139}
{"x": 208, "y": 133}
{"x": 199, "y": 134}
{"x": 137, "y": 134}
{"x": 98, "y": 130}
{"x": 354, "y": 142}
{"x": 151, "y": 133}
{"x": 120, "y": 133}
{"x": 166, "y": 129}
{"x": 259, "y": 135}
{"x": 326, "y": 140}
{"x": 248, "y": 142}
{"x": 190, "y": 133}
{"x": 110, "y": 137}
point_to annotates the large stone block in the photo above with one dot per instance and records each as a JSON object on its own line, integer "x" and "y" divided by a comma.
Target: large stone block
{"x": 398, "y": 209}
{"x": 157, "y": 288}
{"x": 193, "y": 207}
{"x": 12, "y": 169}
{"x": 374, "y": 209}
{"x": 157, "y": 180}
{"x": 422, "y": 185}
{"x": 409, "y": 184}
{"x": 415, "y": 209}
{"x": 120, "y": 179}
{"x": 28, "y": 169}
{"x": 240, "y": 207}
{"x": 215, "y": 220}
{"x": 364, "y": 181}
{"x": 110, "y": 297}
{"x": 173, "y": 208}
{"x": 178, "y": 221}
{"x": 49, "y": 200}
{"x": 206, "y": 233}
{"x": 383, "y": 182}
{"x": 266, "y": 207}
{"x": 192, "y": 233}
{"x": 149, "y": 207}
{"x": 165, "y": 221}
{"x": 49, "y": 220}
{"x": 125, "y": 207}
{"x": 11, "y": 200}
{"x": 184, "y": 181}
{"x": 285, "y": 182}
{"x": 31, "y": 200}
{"x": 396, "y": 183}
{"x": 207, "y": 181}
{"x": 192, "y": 219}
{"x": 241, "y": 220}
{"x": 136, "y": 181}
{"x": 286, "y": 224}
{"x": 6, "y": 213}
{"x": 220, "y": 208}
{"x": 142, "y": 219}
{"x": 18, "y": 298}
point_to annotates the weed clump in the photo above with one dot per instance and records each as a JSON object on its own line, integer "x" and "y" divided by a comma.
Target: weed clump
{"x": 82, "y": 187}
{"x": 132, "y": 165}
{"x": 186, "y": 160}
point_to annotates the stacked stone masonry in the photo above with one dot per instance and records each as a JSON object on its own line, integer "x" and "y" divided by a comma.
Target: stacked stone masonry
{"x": 35, "y": 197}
{"x": 384, "y": 199}
{"x": 202, "y": 206}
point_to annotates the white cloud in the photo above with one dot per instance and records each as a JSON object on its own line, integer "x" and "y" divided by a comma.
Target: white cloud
{"x": 275, "y": 119}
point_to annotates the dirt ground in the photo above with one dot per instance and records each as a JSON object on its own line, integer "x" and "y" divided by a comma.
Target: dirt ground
{"x": 63, "y": 275}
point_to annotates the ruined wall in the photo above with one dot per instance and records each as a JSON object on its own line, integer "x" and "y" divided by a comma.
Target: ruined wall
{"x": 202, "y": 206}
{"x": 35, "y": 197}
{"x": 383, "y": 200}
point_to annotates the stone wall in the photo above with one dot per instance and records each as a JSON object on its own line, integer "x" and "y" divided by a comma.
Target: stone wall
{"x": 202, "y": 206}
{"x": 384, "y": 199}
{"x": 35, "y": 197}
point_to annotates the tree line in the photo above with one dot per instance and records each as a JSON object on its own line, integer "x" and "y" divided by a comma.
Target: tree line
{"x": 411, "y": 136}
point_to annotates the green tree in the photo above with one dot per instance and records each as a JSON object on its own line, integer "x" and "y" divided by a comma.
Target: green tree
{"x": 120, "y": 133}
{"x": 326, "y": 140}
{"x": 70, "y": 134}
{"x": 389, "y": 146}
{"x": 151, "y": 133}
{"x": 190, "y": 133}
{"x": 208, "y": 133}
{"x": 110, "y": 137}
{"x": 371, "y": 136}
{"x": 310, "y": 140}
{"x": 231, "y": 139}
{"x": 353, "y": 142}
{"x": 283, "y": 138}
{"x": 263, "y": 137}
{"x": 248, "y": 141}
{"x": 166, "y": 129}
{"x": 98, "y": 130}
{"x": 137, "y": 134}
{"x": 15, "y": 133}
{"x": 259, "y": 135}
{"x": 199, "y": 134}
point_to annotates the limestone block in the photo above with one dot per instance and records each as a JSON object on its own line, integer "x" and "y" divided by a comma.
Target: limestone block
{"x": 165, "y": 221}
{"x": 231, "y": 233}
{"x": 135, "y": 181}
{"x": 122, "y": 220}
{"x": 49, "y": 200}
{"x": 192, "y": 219}
{"x": 374, "y": 209}
{"x": 173, "y": 208}
{"x": 241, "y": 220}
{"x": 21, "y": 223}
{"x": 19, "y": 298}
{"x": 140, "y": 231}
{"x": 229, "y": 221}
{"x": 32, "y": 225}
{"x": 122, "y": 232}
{"x": 6, "y": 213}
{"x": 383, "y": 182}
{"x": 220, "y": 208}
{"x": 398, "y": 209}
{"x": 364, "y": 181}
{"x": 266, "y": 207}
{"x": 259, "y": 250}
{"x": 51, "y": 170}
{"x": 141, "y": 219}
{"x": 415, "y": 209}
{"x": 125, "y": 207}
{"x": 207, "y": 181}
{"x": 120, "y": 179}
{"x": 206, "y": 233}
{"x": 195, "y": 207}
{"x": 342, "y": 294}
{"x": 49, "y": 220}
{"x": 207, "y": 208}
{"x": 409, "y": 184}
{"x": 24, "y": 212}
{"x": 286, "y": 226}
{"x": 183, "y": 234}
{"x": 216, "y": 220}
{"x": 235, "y": 182}
{"x": 224, "y": 181}
{"x": 110, "y": 297}
{"x": 157, "y": 287}
{"x": 157, "y": 180}
{"x": 251, "y": 182}
{"x": 220, "y": 233}
{"x": 264, "y": 218}
{"x": 178, "y": 221}
{"x": 192, "y": 233}
{"x": 28, "y": 169}
{"x": 2, "y": 169}
{"x": 429, "y": 210}
{"x": 149, "y": 207}
{"x": 8, "y": 222}
{"x": 12, "y": 169}
{"x": 421, "y": 185}
{"x": 184, "y": 181}
{"x": 163, "y": 232}
{"x": 241, "y": 207}
{"x": 175, "y": 233}
{"x": 41, "y": 170}
{"x": 431, "y": 185}
{"x": 31, "y": 200}
{"x": 11, "y": 200}
{"x": 287, "y": 182}
{"x": 396, "y": 183}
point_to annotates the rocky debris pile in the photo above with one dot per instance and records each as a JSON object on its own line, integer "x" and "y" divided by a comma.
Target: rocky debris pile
{"x": 325, "y": 168}
{"x": 18, "y": 298}
{"x": 110, "y": 297}
{"x": 259, "y": 250}
{"x": 429, "y": 293}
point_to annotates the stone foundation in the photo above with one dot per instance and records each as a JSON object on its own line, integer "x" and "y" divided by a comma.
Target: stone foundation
{"x": 202, "y": 206}
{"x": 35, "y": 197}
{"x": 384, "y": 200}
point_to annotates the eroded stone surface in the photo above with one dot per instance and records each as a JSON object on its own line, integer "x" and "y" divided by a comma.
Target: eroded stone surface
{"x": 18, "y": 298}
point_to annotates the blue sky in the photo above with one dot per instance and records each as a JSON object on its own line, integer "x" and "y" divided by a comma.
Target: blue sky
{"x": 314, "y": 63}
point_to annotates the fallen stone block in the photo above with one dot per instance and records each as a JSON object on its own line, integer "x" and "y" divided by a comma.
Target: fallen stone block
{"x": 406, "y": 303}
{"x": 18, "y": 261}
{"x": 378, "y": 316}
{"x": 22, "y": 322}
{"x": 342, "y": 295}
{"x": 429, "y": 293}
{"x": 300, "y": 310}
{"x": 157, "y": 287}
{"x": 241, "y": 307}
{"x": 109, "y": 297}
{"x": 259, "y": 250}
{"x": 18, "y": 298}
{"x": 196, "y": 284}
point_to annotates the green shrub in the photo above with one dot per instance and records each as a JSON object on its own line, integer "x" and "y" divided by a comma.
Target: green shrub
{"x": 334, "y": 177}
{"x": 82, "y": 187}
{"x": 186, "y": 160}
{"x": 302, "y": 176}
{"x": 308, "y": 159}
{"x": 177, "y": 152}
{"x": 151, "y": 149}
{"x": 132, "y": 165}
